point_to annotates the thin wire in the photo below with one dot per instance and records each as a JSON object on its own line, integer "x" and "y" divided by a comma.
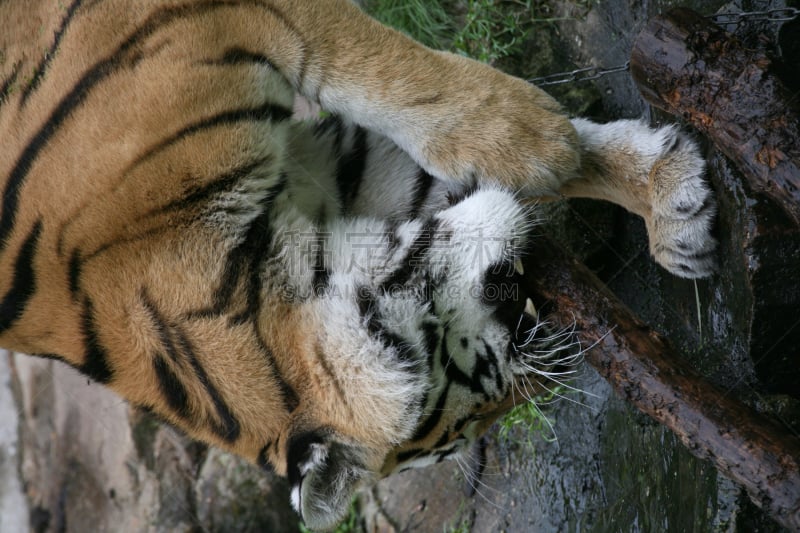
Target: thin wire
{"x": 783, "y": 14}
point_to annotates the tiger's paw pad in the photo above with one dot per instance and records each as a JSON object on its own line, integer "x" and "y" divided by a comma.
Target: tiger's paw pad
{"x": 683, "y": 209}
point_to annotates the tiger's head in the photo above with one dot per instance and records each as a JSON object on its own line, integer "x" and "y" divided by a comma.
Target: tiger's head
{"x": 411, "y": 362}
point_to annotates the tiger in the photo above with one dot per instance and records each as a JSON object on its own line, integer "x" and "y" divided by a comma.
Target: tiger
{"x": 335, "y": 298}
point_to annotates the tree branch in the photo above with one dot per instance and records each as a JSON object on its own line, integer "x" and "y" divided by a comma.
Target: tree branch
{"x": 688, "y": 66}
{"x": 643, "y": 368}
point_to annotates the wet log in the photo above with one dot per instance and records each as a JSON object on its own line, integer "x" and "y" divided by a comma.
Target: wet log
{"x": 643, "y": 368}
{"x": 688, "y": 66}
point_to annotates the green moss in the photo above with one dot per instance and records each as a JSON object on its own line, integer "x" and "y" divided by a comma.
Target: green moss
{"x": 144, "y": 427}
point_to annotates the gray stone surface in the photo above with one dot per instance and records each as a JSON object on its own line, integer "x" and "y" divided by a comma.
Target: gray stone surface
{"x": 89, "y": 463}
{"x": 13, "y": 505}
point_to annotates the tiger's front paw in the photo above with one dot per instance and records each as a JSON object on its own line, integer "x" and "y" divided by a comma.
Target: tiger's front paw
{"x": 683, "y": 209}
{"x": 497, "y": 129}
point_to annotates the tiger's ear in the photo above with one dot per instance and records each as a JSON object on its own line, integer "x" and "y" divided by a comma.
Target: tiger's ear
{"x": 324, "y": 473}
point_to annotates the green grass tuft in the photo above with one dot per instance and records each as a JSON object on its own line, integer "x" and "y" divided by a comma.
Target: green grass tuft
{"x": 494, "y": 29}
{"x": 486, "y": 30}
{"x": 526, "y": 421}
{"x": 423, "y": 20}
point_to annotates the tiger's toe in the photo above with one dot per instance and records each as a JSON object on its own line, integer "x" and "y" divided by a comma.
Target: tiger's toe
{"x": 683, "y": 211}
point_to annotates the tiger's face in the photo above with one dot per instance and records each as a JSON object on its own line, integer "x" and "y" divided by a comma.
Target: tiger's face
{"x": 414, "y": 359}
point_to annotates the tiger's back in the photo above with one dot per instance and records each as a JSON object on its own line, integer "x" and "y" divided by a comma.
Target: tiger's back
{"x": 112, "y": 164}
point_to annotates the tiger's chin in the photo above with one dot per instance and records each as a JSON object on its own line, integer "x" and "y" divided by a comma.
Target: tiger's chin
{"x": 331, "y": 469}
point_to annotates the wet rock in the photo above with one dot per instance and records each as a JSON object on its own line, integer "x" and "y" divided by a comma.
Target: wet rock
{"x": 234, "y": 496}
{"x": 13, "y": 505}
{"x": 91, "y": 463}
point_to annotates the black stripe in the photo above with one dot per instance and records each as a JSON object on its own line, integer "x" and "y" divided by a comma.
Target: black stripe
{"x": 74, "y": 272}
{"x": 96, "y": 359}
{"x": 179, "y": 349}
{"x": 444, "y": 454}
{"x": 228, "y": 428}
{"x": 351, "y": 167}
{"x": 263, "y": 458}
{"x": 162, "y": 328}
{"x": 392, "y": 239}
{"x": 366, "y": 300}
{"x": 493, "y": 363}
{"x": 322, "y": 274}
{"x": 291, "y": 400}
{"x": 442, "y": 440}
{"x": 402, "y": 457}
{"x": 321, "y": 280}
{"x": 248, "y": 257}
{"x": 423, "y": 188}
{"x": 334, "y": 125}
{"x": 485, "y": 366}
{"x": 125, "y": 56}
{"x": 51, "y": 52}
{"x": 8, "y": 83}
{"x": 239, "y": 56}
{"x": 23, "y": 283}
{"x": 456, "y": 197}
{"x": 459, "y": 425}
{"x": 171, "y": 387}
{"x": 265, "y": 112}
{"x": 368, "y": 309}
{"x": 435, "y": 416}
{"x": 453, "y": 373}
{"x": 430, "y": 331}
{"x": 414, "y": 258}
{"x": 286, "y": 21}
{"x": 404, "y": 349}
{"x": 247, "y": 260}
{"x": 200, "y": 195}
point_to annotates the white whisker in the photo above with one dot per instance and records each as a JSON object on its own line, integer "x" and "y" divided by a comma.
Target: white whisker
{"x": 464, "y": 470}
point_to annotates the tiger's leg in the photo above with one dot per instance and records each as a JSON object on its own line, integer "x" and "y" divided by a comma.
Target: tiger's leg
{"x": 459, "y": 119}
{"x": 654, "y": 173}
{"x": 658, "y": 175}
{"x": 467, "y": 123}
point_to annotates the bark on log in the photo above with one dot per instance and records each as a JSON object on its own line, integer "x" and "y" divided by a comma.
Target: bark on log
{"x": 688, "y": 66}
{"x": 644, "y": 369}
